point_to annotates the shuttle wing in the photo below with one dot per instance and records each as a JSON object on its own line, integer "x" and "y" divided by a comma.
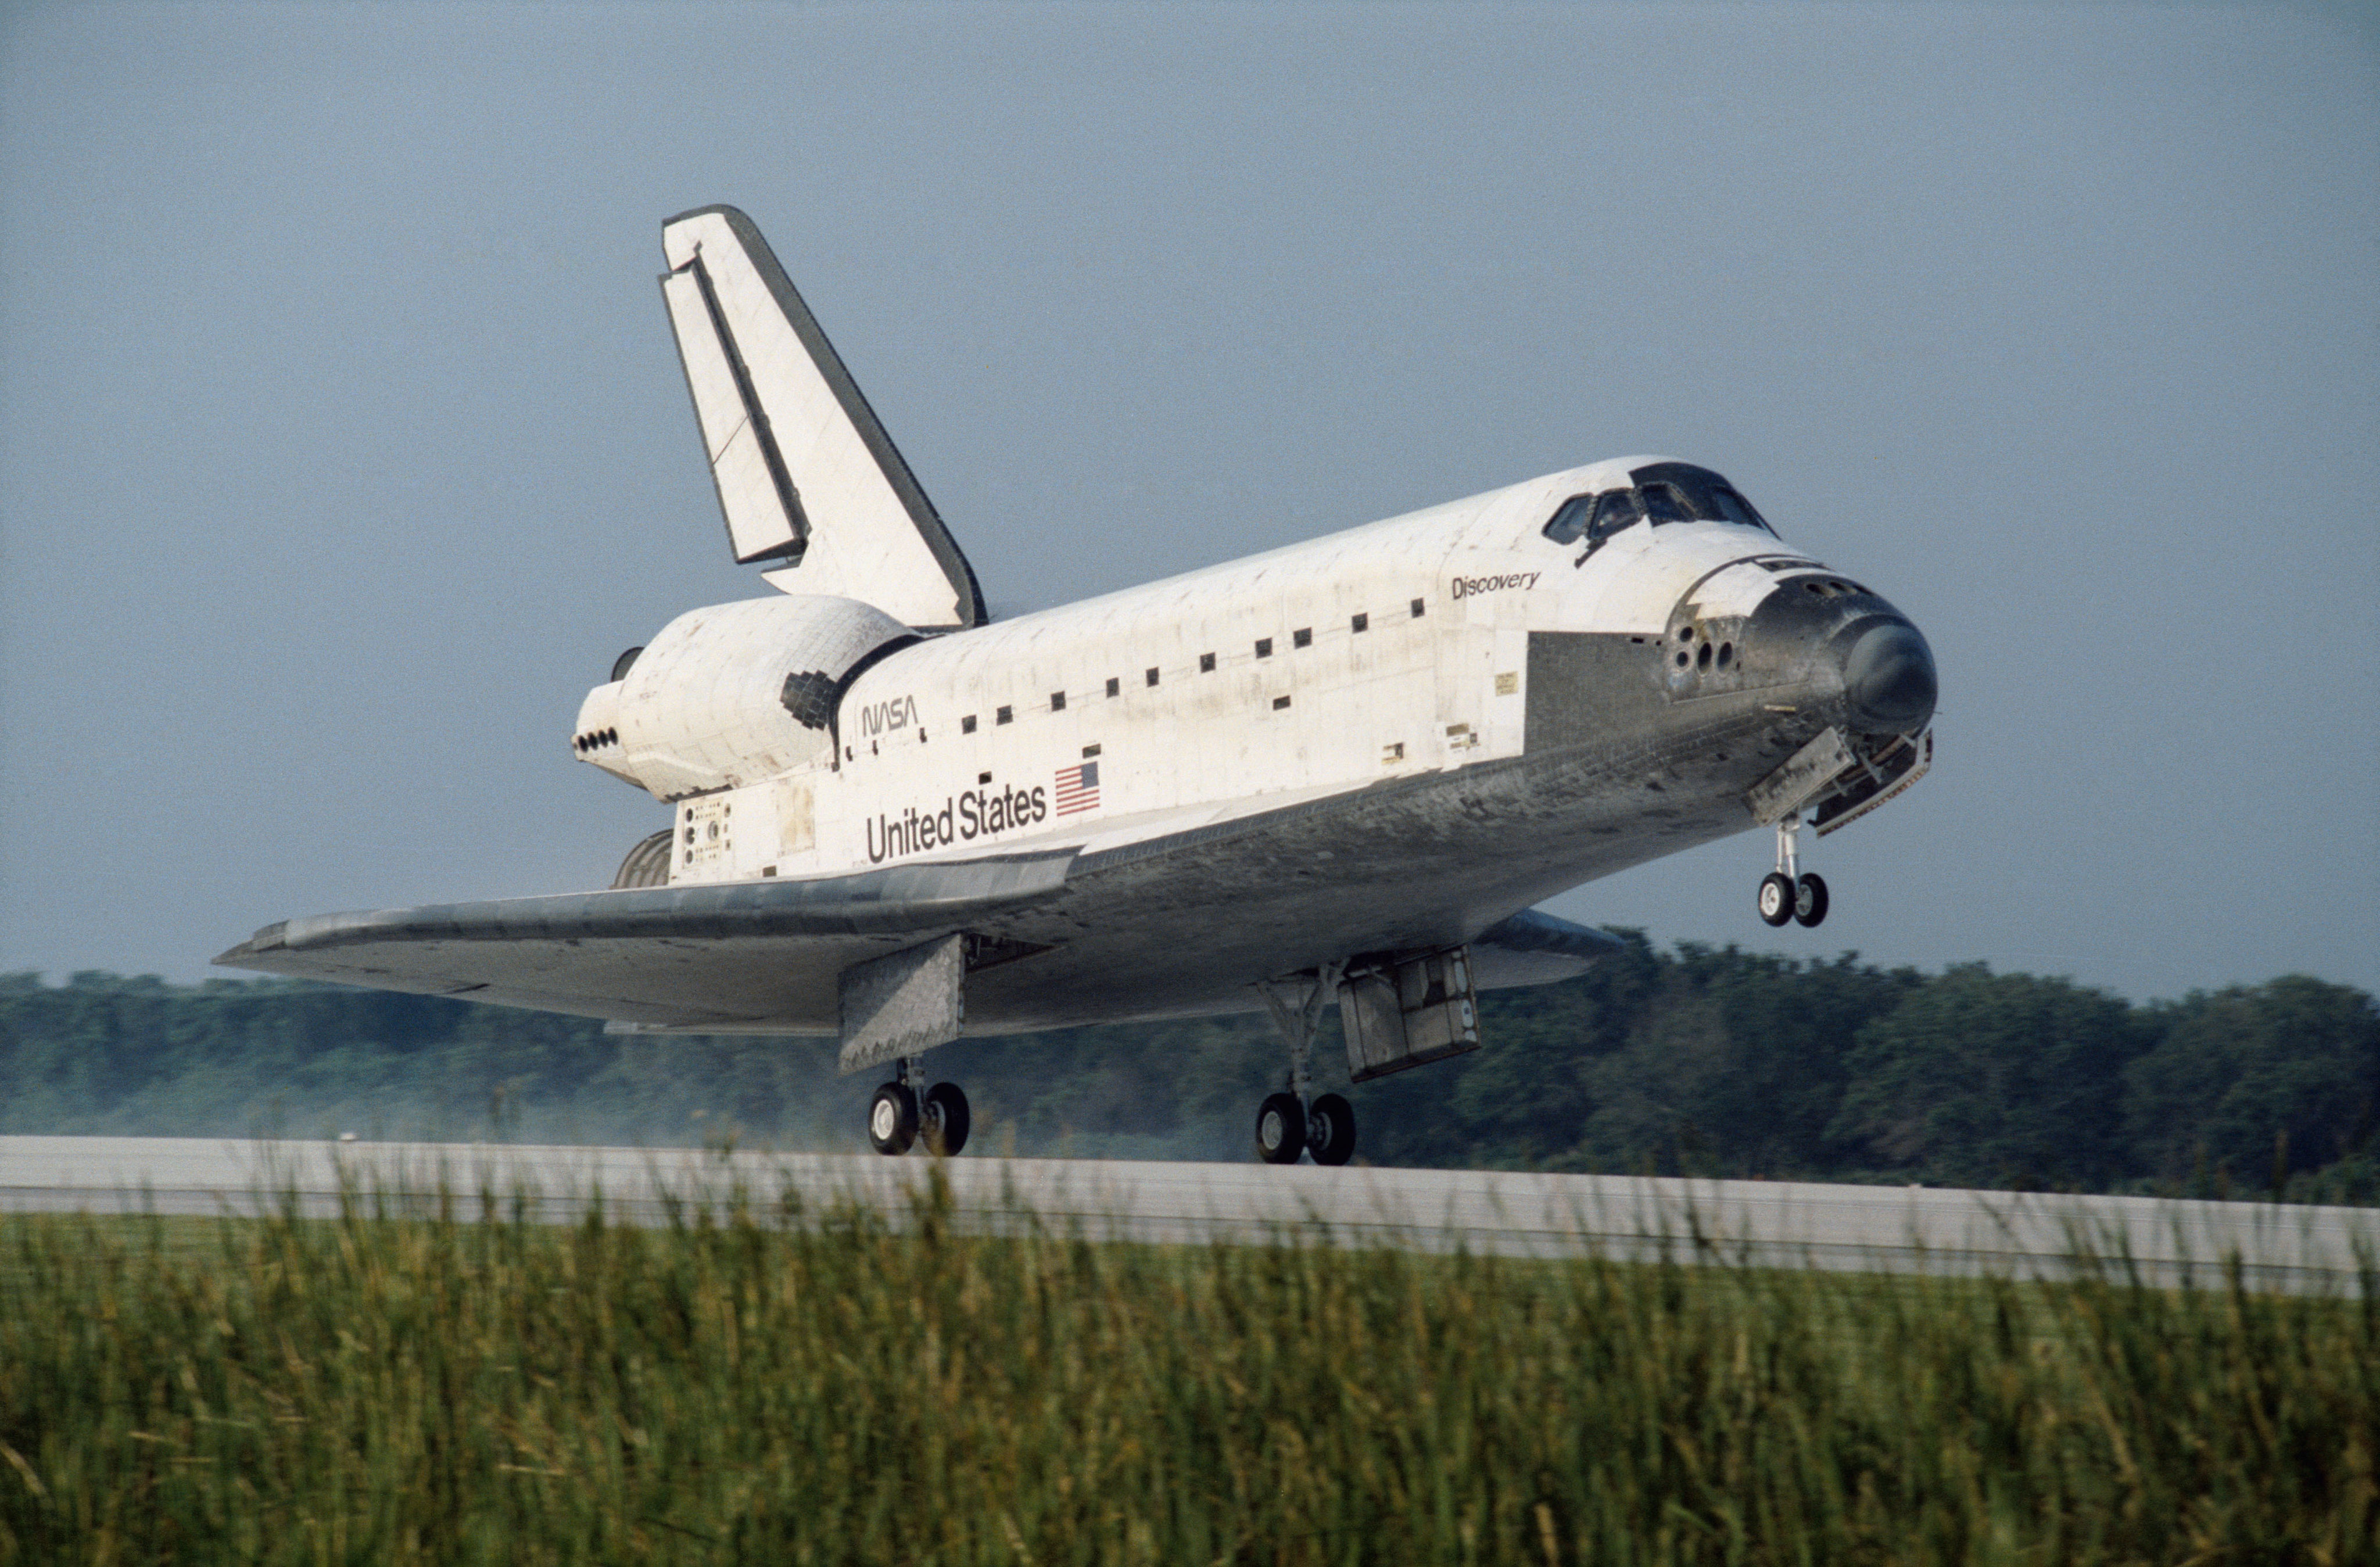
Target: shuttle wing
{"x": 719, "y": 954}
{"x": 811, "y": 485}
{"x": 1534, "y": 948}
{"x": 764, "y": 956}
{"x": 1182, "y": 924}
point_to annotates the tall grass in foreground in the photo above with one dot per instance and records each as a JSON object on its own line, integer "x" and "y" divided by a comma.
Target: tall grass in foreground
{"x": 769, "y": 1385}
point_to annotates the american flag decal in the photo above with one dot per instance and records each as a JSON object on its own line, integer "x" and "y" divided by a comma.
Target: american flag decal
{"x": 1078, "y": 788}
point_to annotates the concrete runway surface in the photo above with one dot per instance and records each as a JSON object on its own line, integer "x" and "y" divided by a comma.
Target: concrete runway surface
{"x": 1788, "y": 1224}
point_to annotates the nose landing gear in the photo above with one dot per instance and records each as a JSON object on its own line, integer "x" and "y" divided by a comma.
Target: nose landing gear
{"x": 1788, "y": 893}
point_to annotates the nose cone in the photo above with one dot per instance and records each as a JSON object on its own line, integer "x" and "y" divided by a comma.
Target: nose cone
{"x": 1889, "y": 679}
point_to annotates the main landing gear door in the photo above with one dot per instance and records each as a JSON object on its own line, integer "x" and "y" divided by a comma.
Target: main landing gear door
{"x": 1409, "y": 1012}
{"x": 903, "y": 1004}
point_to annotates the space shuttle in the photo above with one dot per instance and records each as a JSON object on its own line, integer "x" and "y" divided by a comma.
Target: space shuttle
{"x": 1341, "y": 773}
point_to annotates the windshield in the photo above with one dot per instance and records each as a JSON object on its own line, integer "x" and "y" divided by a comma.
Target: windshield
{"x": 1664, "y": 492}
{"x": 1614, "y": 510}
{"x": 1695, "y": 493}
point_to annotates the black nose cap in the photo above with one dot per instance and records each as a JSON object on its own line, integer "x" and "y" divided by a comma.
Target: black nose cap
{"x": 1889, "y": 679}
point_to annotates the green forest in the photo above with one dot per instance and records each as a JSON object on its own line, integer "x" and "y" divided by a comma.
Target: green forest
{"x": 1693, "y": 1060}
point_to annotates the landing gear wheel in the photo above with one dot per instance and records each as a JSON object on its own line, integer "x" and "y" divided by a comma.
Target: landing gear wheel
{"x": 893, "y": 1119}
{"x": 1776, "y": 898}
{"x": 1809, "y": 900}
{"x": 1280, "y": 1129}
{"x": 944, "y": 1119}
{"x": 1330, "y": 1129}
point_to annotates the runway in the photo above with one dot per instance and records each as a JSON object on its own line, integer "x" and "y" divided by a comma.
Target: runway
{"x": 1784, "y": 1224}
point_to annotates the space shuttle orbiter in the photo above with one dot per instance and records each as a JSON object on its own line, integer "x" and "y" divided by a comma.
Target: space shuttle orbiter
{"x": 1338, "y": 772}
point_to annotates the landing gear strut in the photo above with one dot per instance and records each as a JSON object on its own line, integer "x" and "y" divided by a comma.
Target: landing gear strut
{"x": 906, "y": 1110}
{"x": 1295, "y": 1122}
{"x": 1789, "y": 892}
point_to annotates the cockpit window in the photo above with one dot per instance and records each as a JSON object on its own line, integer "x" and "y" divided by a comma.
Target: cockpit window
{"x": 1616, "y": 510}
{"x": 1667, "y": 502}
{"x": 1736, "y": 509}
{"x": 1665, "y": 493}
{"x": 1707, "y": 497}
{"x": 1571, "y": 521}
{"x": 1595, "y": 518}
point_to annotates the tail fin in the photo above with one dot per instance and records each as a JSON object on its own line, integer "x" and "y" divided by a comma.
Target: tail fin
{"x": 810, "y": 483}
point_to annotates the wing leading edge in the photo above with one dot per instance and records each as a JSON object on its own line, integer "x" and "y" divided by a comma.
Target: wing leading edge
{"x": 1532, "y": 948}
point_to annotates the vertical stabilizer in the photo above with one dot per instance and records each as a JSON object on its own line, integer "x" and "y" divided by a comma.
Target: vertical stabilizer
{"x": 811, "y": 486}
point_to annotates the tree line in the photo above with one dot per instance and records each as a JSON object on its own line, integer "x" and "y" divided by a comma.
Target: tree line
{"x": 1693, "y": 1060}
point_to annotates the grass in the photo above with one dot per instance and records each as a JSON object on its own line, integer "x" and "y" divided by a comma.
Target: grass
{"x": 441, "y": 1380}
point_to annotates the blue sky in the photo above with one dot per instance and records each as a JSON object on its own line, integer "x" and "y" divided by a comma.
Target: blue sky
{"x": 341, "y": 445}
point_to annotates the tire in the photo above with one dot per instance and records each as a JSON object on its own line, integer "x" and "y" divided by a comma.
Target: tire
{"x": 944, "y": 1119}
{"x": 1330, "y": 1129}
{"x": 1776, "y": 898}
{"x": 1810, "y": 900}
{"x": 893, "y": 1119}
{"x": 1280, "y": 1129}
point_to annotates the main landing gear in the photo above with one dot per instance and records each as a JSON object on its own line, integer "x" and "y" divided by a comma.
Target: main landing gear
{"x": 1297, "y": 1120}
{"x": 1789, "y": 892}
{"x": 901, "y": 1114}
